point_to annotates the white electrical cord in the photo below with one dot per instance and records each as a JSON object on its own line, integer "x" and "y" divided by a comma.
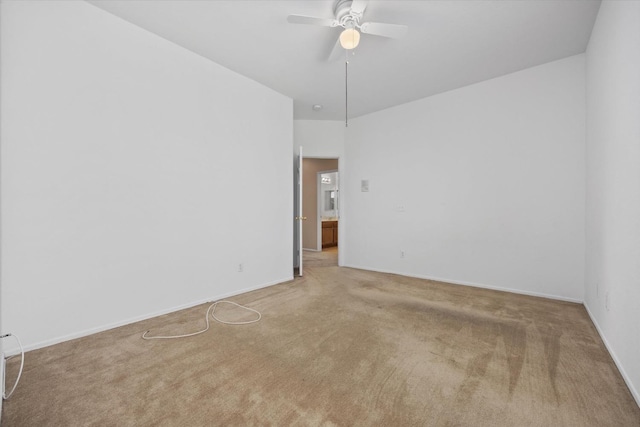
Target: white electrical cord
{"x": 212, "y": 309}
{"x": 4, "y": 395}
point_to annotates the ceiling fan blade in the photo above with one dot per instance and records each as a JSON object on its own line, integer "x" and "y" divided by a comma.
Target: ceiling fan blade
{"x": 358, "y": 6}
{"x": 310, "y": 20}
{"x": 336, "y": 52}
{"x": 393, "y": 31}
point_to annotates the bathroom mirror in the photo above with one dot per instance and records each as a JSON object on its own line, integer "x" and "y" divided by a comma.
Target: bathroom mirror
{"x": 329, "y": 200}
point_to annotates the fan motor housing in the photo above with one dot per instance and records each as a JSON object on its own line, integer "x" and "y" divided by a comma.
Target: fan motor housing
{"x": 344, "y": 15}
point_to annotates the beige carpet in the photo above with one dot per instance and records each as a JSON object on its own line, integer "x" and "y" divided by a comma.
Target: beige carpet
{"x": 338, "y": 347}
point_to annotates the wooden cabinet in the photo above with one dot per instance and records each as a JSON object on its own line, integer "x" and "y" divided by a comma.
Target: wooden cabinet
{"x": 329, "y": 233}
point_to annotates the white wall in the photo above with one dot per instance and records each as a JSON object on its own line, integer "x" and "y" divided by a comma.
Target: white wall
{"x": 128, "y": 174}
{"x": 2, "y": 330}
{"x": 613, "y": 183}
{"x": 320, "y": 138}
{"x": 483, "y": 185}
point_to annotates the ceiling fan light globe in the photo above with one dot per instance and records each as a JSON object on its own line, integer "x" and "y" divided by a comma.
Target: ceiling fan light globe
{"x": 349, "y": 38}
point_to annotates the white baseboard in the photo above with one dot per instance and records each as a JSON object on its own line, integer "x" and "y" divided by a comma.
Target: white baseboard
{"x": 113, "y": 325}
{"x": 473, "y": 284}
{"x": 626, "y": 378}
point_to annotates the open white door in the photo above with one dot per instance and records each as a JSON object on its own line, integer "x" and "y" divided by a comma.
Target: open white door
{"x": 298, "y": 213}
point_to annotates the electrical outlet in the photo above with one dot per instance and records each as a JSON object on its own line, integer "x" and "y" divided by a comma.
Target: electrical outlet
{"x": 240, "y": 268}
{"x": 401, "y": 254}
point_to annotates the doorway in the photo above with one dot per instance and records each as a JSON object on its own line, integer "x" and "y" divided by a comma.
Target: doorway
{"x": 314, "y": 200}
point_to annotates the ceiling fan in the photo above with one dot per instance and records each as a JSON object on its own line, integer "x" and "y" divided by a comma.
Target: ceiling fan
{"x": 347, "y": 14}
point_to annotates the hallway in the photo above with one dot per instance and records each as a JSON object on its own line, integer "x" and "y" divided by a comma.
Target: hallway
{"x": 327, "y": 258}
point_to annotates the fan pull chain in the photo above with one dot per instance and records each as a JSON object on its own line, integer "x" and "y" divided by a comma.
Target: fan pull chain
{"x": 346, "y": 92}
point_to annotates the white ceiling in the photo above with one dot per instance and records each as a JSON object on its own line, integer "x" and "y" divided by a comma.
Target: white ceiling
{"x": 450, "y": 44}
